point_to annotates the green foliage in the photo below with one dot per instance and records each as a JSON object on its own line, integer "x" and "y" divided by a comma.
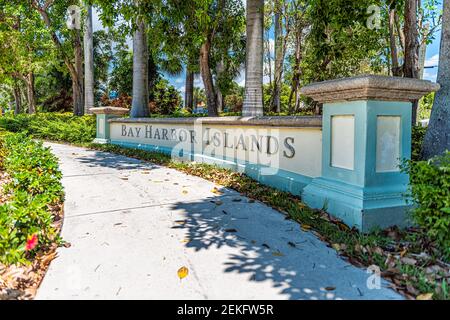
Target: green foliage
{"x": 166, "y": 98}
{"x": 425, "y": 106}
{"x": 339, "y": 43}
{"x": 52, "y": 126}
{"x": 418, "y": 136}
{"x": 430, "y": 189}
{"x": 35, "y": 186}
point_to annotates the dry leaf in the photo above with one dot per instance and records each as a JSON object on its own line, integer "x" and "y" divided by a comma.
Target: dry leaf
{"x": 409, "y": 261}
{"x": 336, "y": 246}
{"x": 216, "y": 191}
{"x": 278, "y": 254}
{"x": 183, "y": 273}
{"x": 306, "y": 227}
{"x": 185, "y": 192}
{"x": 426, "y": 296}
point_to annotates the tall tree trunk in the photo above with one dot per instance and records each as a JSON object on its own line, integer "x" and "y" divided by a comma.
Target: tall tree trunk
{"x": 437, "y": 139}
{"x": 17, "y": 99}
{"x": 411, "y": 67}
{"x": 77, "y": 84}
{"x": 75, "y": 70}
{"x": 276, "y": 102}
{"x": 295, "y": 91}
{"x": 423, "y": 52}
{"x": 30, "y": 93}
{"x": 396, "y": 70}
{"x": 89, "y": 97}
{"x": 219, "y": 99}
{"x": 205, "y": 71}
{"x": 140, "y": 72}
{"x": 220, "y": 68}
{"x": 189, "y": 92}
{"x": 253, "y": 99}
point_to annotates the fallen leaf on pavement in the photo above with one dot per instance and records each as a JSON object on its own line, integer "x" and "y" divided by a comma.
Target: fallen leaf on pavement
{"x": 277, "y": 254}
{"x": 183, "y": 273}
{"x": 216, "y": 191}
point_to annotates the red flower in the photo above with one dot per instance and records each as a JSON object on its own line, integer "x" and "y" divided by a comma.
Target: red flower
{"x": 32, "y": 242}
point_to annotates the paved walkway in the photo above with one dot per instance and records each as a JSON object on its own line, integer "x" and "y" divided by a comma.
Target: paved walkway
{"x": 133, "y": 225}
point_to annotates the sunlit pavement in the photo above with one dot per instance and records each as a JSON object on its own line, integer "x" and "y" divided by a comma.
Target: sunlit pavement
{"x": 133, "y": 225}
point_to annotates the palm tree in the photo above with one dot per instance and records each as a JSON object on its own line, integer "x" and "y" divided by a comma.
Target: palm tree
{"x": 189, "y": 91}
{"x": 140, "y": 72}
{"x": 437, "y": 139}
{"x": 89, "y": 101}
{"x": 253, "y": 100}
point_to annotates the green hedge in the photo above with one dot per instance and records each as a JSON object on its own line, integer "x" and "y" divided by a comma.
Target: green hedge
{"x": 52, "y": 126}
{"x": 35, "y": 186}
{"x": 430, "y": 189}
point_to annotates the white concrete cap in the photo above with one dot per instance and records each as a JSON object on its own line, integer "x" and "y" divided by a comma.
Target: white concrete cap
{"x": 369, "y": 87}
{"x": 110, "y": 110}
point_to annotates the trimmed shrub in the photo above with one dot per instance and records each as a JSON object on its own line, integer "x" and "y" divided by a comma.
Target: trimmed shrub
{"x": 430, "y": 189}
{"x": 52, "y": 126}
{"x": 26, "y": 220}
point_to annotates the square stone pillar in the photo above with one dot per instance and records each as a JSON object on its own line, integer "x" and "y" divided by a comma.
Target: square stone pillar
{"x": 104, "y": 114}
{"x": 366, "y": 135}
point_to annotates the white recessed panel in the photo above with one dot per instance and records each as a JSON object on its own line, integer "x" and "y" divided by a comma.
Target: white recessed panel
{"x": 388, "y": 143}
{"x": 343, "y": 142}
{"x": 101, "y": 125}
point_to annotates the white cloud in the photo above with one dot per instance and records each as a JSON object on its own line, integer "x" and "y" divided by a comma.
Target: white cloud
{"x": 433, "y": 61}
{"x": 430, "y": 75}
{"x": 179, "y": 80}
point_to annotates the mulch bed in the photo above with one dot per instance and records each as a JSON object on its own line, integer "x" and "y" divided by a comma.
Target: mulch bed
{"x": 22, "y": 282}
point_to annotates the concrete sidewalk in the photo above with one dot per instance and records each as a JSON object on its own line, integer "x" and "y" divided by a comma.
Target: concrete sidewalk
{"x": 133, "y": 225}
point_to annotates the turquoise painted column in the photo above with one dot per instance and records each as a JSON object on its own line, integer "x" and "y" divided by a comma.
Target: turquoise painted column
{"x": 104, "y": 114}
{"x": 366, "y": 135}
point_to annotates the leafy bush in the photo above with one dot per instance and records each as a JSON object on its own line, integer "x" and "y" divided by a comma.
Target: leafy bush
{"x": 430, "y": 189}
{"x": 418, "y": 135}
{"x": 35, "y": 186}
{"x": 166, "y": 99}
{"x": 53, "y": 126}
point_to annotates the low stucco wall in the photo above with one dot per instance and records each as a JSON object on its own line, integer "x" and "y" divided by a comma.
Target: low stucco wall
{"x": 285, "y": 152}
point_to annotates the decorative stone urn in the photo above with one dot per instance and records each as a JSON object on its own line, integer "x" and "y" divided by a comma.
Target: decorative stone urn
{"x": 104, "y": 114}
{"x": 366, "y": 136}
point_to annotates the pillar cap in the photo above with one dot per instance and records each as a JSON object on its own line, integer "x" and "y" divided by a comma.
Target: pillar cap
{"x": 110, "y": 110}
{"x": 369, "y": 87}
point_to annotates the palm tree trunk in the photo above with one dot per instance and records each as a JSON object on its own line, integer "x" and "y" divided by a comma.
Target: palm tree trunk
{"x": 77, "y": 77}
{"x": 205, "y": 70}
{"x": 140, "y": 72}
{"x": 189, "y": 93}
{"x": 437, "y": 139}
{"x": 89, "y": 97}
{"x": 253, "y": 100}
{"x": 276, "y": 105}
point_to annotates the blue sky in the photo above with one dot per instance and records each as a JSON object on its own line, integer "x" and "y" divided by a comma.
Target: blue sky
{"x": 432, "y": 59}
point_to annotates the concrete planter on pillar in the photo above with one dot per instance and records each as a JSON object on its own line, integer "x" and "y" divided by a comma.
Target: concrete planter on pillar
{"x": 366, "y": 135}
{"x": 104, "y": 114}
